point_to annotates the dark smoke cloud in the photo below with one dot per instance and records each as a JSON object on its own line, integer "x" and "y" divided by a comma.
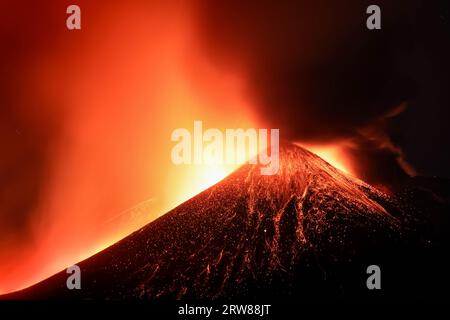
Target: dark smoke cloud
{"x": 374, "y": 149}
{"x": 315, "y": 70}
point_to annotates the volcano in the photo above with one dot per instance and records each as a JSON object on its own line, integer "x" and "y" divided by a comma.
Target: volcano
{"x": 309, "y": 231}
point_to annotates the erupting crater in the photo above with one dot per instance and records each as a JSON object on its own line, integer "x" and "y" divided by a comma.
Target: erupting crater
{"x": 311, "y": 230}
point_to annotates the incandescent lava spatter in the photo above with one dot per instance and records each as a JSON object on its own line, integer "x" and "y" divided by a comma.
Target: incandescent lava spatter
{"x": 309, "y": 231}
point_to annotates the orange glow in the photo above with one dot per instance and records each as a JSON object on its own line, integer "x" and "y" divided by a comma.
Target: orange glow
{"x": 117, "y": 90}
{"x": 333, "y": 154}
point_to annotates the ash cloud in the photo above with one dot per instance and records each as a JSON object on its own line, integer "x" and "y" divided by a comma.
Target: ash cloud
{"x": 316, "y": 72}
{"x": 27, "y": 130}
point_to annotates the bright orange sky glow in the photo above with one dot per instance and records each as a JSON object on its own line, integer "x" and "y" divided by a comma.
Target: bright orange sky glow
{"x": 116, "y": 91}
{"x": 333, "y": 154}
{"x": 120, "y": 89}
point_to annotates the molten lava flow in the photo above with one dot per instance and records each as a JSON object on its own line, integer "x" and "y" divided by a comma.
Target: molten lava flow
{"x": 113, "y": 94}
{"x": 116, "y": 91}
{"x": 261, "y": 232}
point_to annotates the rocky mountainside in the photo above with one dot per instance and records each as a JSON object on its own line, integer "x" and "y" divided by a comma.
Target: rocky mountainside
{"x": 309, "y": 231}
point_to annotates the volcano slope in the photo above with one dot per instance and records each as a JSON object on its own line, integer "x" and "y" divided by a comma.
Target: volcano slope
{"x": 309, "y": 231}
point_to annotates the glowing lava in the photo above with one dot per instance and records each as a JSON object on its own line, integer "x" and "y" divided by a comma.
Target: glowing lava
{"x": 116, "y": 90}
{"x": 333, "y": 154}
{"x": 260, "y": 232}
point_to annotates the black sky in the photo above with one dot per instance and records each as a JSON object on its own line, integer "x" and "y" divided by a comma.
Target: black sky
{"x": 316, "y": 72}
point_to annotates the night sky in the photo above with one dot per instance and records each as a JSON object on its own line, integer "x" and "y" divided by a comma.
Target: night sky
{"x": 86, "y": 116}
{"x": 319, "y": 74}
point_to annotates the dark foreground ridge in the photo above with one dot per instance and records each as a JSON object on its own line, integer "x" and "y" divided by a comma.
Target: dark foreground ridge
{"x": 309, "y": 231}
